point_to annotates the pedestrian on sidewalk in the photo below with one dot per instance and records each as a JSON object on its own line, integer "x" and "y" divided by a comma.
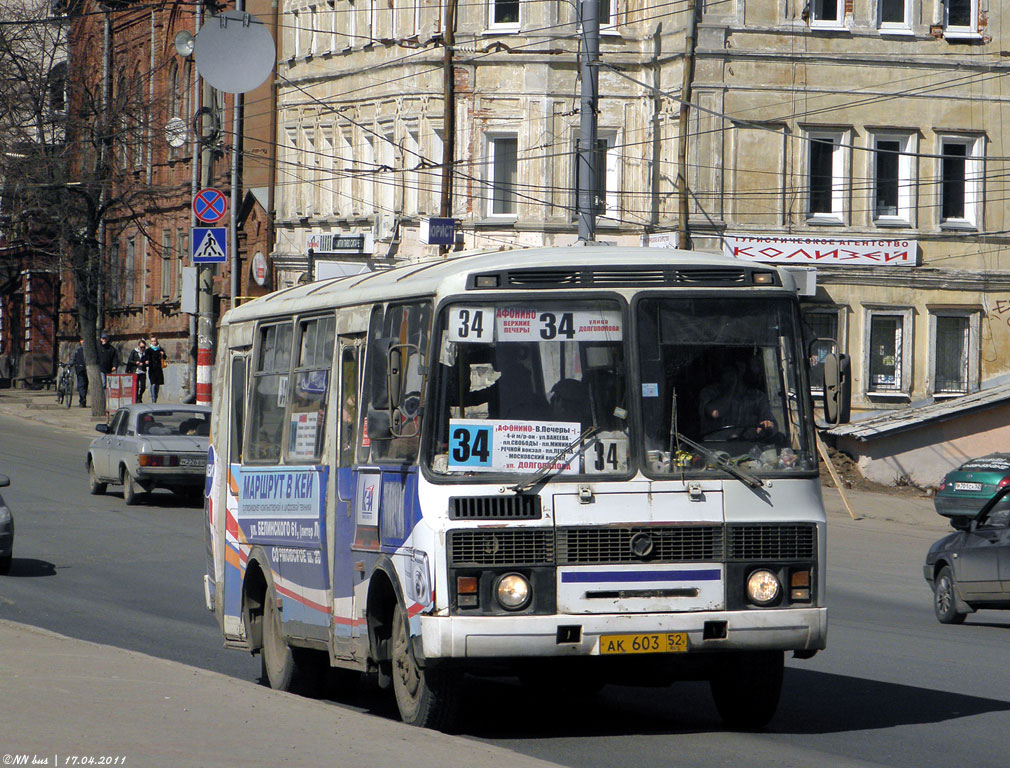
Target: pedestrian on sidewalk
{"x": 108, "y": 358}
{"x": 137, "y": 363}
{"x": 81, "y": 369}
{"x": 156, "y": 362}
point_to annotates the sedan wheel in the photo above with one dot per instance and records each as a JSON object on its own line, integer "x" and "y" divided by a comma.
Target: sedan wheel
{"x": 130, "y": 494}
{"x": 944, "y": 598}
{"x": 95, "y": 486}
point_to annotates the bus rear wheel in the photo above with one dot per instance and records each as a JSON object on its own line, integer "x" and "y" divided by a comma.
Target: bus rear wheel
{"x": 746, "y": 687}
{"x": 296, "y": 670}
{"x": 427, "y": 698}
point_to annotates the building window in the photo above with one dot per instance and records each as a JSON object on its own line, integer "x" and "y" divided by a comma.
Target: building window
{"x": 827, "y": 13}
{"x": 954, "y": 351}
{"x": 960, "y": 18}
{"x": 129, "y": 271}
{"x": 182, "y": 238}
{"x": 825, "y": 177}
{"x": 822, "y": 327}
{"x": 888, "y": 351}
{"x": 503, "y": 167}
{"x": 608, "y": 182}
{"x": 503, "y": 14}
{"x": 894, "y": 15}
{"x": 166, "y": 263}
{"x": 893, "y": 181}
{"x": 960, "y": 182}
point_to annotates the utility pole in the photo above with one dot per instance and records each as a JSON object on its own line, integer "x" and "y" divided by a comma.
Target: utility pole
{"x": 588, "y": 11}
{"x": 683, "y": 230}
{"x": 449, "y": 113}
{"x": 205, "y": 272}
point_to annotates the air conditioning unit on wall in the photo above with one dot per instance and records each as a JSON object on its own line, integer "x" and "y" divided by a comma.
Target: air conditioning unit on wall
{"x": 384, "y": 223}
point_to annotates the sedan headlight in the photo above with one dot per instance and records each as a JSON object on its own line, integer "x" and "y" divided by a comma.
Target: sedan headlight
{"x": 513, "y": 591}
{"x": 763, "y": 587}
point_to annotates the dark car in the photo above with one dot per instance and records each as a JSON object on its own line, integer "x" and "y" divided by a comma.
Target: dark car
{"x": 964, "y": 490}
{"x": 6, "y": 531}
{"x": 970, "y": 568}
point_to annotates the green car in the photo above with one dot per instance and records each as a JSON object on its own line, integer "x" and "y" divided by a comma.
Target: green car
{"x": 966, "y": 489}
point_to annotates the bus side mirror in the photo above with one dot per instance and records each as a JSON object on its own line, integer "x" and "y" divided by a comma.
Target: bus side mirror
{"x": 404, "y": 404}
{"x": 837, "y": 388}
{"x": 394, "y": 378}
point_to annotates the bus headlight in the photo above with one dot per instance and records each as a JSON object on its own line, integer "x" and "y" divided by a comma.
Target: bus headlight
{"x": 513, "y": 591}
{"x": 763, "y": 587}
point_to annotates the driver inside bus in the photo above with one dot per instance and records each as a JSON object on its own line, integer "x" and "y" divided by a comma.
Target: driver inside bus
{"x": 733, "y": 403}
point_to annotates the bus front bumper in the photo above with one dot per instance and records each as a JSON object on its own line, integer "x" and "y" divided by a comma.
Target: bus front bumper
{"x": 793, "y": 629}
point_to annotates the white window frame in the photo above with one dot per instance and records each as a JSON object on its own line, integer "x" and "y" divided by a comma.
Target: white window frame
{"x": 903, "y": 27}
{"x": 971, "y": 364}
{"x": 611, "y": 205}
{"x": 960, "y": 31}
{"x": 839, "y": 314}
{"x": 903, "y": 368}
{"x": 499, "y": 27}
{"x": 491, "y": 140}
{"x": 974, "y": 175}
{"x": 905, "y": 214}
{"x": 839, "y": 176}
{"x": 836, "y": 23}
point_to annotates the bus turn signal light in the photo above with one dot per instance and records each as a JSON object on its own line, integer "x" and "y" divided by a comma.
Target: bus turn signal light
{"x": 466, "y": 591}
{"x": 799, "y": 586}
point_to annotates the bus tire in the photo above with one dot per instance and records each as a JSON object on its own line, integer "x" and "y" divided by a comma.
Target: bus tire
{"x": 295, "y": 670}
{"x": 427, "y": 698}
{"x": 746, "y": 687}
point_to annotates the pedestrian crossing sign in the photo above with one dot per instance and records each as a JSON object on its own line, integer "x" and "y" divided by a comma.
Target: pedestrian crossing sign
{"x": 209, "y": 244}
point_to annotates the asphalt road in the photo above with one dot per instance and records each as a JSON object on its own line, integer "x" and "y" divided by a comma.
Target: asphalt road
{"x": 895, "y": 688}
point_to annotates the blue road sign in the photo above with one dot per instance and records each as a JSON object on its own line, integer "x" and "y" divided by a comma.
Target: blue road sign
{"x": 209, "y": 244}
{"x": 210, "y": 205}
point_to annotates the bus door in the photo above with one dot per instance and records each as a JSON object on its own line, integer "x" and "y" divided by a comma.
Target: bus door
{"x": 347, "y": 574}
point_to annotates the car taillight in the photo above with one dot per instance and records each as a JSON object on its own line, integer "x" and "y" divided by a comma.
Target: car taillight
{"x": 157, "y": 460}
{"x": 1004, "y": 482}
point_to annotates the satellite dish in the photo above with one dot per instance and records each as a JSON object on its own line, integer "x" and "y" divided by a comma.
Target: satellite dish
{"x": 185, "y": 42}
{"x": 234, "y": 52}
{"x": 176, "y": 132}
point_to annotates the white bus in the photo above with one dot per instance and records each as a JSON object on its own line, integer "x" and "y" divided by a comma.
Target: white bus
{"x": 578, "y": 466}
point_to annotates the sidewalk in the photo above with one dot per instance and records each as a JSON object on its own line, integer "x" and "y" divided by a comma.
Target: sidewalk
{"x": 40, "y": 405}
{"x": 70, "y": 700}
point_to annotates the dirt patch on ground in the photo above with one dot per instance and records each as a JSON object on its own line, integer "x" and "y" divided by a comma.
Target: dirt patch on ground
{"x": 846, "y": 469}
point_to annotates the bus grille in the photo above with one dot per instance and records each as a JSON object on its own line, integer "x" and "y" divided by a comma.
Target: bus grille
{"x": 771, "y": 542}
{"x": 670, "y": 544}
{"x": 494, "y": 508}
{"x": 515, "y": 546}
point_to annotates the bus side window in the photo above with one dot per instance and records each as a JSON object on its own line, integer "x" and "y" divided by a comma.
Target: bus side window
{"x": 269, "y": 394}
{"x": 348, "y": 403}
{"x": 238, "y": 382}
{"x": 309, "y": 390}
{"x": 402, "y": 324}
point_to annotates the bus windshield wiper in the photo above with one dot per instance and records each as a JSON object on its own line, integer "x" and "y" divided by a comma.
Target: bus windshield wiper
{"x": 752, "y": 481}
{"x": 550, "y": 465}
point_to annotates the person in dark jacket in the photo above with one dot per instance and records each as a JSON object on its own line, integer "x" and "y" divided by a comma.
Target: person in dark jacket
{"x": 108, "y": 358}
{"x": 137, "y": 363}
{"x": 156, "y": 362}
{"x": 81, "y": 369}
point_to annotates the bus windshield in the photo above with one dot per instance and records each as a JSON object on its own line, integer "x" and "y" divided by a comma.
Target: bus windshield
{"x": 720, "y": 384}
{"x": 517, "y": 382}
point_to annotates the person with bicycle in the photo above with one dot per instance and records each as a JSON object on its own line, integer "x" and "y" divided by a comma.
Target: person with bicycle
{"x": 137, "y": 363}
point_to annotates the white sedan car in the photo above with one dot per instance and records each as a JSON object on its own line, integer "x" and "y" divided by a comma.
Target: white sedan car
{"x": 147, "y": 446}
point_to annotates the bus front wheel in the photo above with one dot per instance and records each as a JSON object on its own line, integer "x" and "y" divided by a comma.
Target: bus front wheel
{"x": 746, "y": 687}
{"x": 427, "y": 698}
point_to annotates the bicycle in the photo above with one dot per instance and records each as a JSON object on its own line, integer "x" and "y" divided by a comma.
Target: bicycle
{"x": 65, "y": 384}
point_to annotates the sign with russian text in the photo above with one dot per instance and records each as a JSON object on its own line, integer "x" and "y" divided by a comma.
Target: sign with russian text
{"x": 822, "y": 251}
{"x": 505, "y": 324}
{"x": 493, "y": 445}
{"x": 437, "y": 231}
{"x": 282, "y": 506}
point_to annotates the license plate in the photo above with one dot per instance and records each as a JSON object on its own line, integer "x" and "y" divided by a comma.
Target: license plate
{"x": 967, "y": 486}
{"x": 658, "y": 642}
{"x": 194, "y": 461}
